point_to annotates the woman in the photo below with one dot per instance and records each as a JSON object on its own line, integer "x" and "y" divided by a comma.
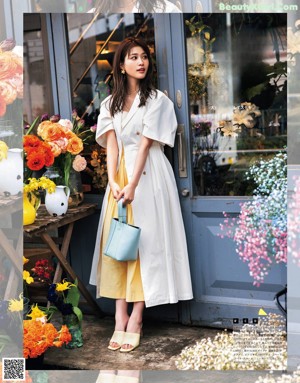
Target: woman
{"x": 134, "y": 6}
{"x": 134, "y": 124}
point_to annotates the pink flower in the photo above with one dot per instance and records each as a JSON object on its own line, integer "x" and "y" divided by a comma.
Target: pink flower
{"x": 93, "y": 128}
{"x": 79, "y": 163}
{"x": 66, "y": 124}
{"x": 62, "y": 143}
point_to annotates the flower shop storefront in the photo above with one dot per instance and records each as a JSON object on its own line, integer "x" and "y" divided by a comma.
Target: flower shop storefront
{"x": 227, "y": 77}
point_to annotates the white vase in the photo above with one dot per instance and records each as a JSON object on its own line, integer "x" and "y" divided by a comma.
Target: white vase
{"x": 57, "y": 203}
{"x": 11, "y": 173}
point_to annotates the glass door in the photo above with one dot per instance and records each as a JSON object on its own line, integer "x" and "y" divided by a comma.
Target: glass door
{"x": 231, "y": 109}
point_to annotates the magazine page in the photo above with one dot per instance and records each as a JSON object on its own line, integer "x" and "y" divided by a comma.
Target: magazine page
{"x": 149, "y": 191}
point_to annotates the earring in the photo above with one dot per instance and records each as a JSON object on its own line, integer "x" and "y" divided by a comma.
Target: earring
{"x": 123, "y": 71}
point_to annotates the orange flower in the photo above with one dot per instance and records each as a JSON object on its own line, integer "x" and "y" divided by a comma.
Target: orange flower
{"x": 38, "y": 337}
{"x": 36, "y": 160}
{"x": 75, "y": 145}
{"x": 49, "y": 156}
{"x": 42, "y": 126}
{"x": 52, "y": 132}
{"x": 31, "y": 142}
{"x": 9, "y": 65}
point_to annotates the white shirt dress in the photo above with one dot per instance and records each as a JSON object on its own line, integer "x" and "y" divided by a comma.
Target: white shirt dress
{"x": 164, "y": 262}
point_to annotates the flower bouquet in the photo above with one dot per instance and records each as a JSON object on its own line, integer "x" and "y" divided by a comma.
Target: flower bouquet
{"x": 66, "y": 141}
{"x": 260, "y": 230}
{"x": 65, "y": 296}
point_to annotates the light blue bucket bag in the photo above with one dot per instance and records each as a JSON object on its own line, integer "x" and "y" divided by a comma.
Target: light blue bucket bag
{"x": 123, "y": 239}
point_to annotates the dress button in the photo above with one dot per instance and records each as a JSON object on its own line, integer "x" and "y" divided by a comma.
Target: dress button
{"x": 138, "y": 133}
{"x": 144, "y": 173}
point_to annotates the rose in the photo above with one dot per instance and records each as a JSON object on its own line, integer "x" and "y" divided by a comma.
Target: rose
{"x": 75, "y": 145}
{"x": 8, "y": 92}
{"x": 79, "y": 163}
{"x": 10, "y": 65}
{"x": 66, "y": 124}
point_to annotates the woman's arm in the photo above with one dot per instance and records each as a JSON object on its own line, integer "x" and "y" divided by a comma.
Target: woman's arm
{"x": 128, "y": 191}
{"x": 112, "y": 153}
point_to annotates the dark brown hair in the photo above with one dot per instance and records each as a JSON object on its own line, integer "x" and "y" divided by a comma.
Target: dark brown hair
{"x": 142, "y": 5}
{"x": 119, "y": 91}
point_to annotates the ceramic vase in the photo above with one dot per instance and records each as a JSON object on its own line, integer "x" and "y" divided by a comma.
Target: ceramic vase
{"x": 29, "y": 212}
{"x": 57, "y": 203}
{"x": 11, "y": 170}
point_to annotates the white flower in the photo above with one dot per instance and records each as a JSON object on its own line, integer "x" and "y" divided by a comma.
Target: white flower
{"x": 66, "y": 124}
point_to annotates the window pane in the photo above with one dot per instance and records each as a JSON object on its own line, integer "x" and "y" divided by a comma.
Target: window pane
{"x": 93, "y": 40}
{"x": 37, "y": 79}
{"x": 237, "y": 91}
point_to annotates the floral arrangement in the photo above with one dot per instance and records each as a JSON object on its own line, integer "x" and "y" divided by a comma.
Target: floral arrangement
{"x": 262, "y": 346}
{"x": 39, "y": 336}
{"x": 3, "y": 150}
{"x": 260, "y": 230}
{"x": 65, "y": 296}
{"x": 11, "y": 74}
{"x": 65, "y": 139}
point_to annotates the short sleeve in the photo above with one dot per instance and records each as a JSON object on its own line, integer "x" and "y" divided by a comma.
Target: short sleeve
{"x": 104, "y": 124}
{"x": 159, "y": 121}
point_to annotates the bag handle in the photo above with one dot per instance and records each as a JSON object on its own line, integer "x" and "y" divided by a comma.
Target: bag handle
{"x": 122, "y": 212}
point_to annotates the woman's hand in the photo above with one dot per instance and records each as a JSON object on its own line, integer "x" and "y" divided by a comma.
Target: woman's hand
{"x": 127, "y": 193}
{"x": 116, "y": 190}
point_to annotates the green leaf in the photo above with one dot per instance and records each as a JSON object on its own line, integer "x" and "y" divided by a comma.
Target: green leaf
{"x": 255, "y": 90}
{"x": 78, "y": 313}
{"x": 34, "y": 125}
{"x": 73, "y": 296}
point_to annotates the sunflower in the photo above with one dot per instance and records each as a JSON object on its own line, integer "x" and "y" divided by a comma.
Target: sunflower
{"x": 65, "y": 285}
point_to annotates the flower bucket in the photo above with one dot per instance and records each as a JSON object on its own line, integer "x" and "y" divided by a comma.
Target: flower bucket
{"x": 73, "y": 324}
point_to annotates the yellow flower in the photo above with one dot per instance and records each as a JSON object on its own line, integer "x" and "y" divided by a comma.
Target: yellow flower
{"x": 3, "y": 150}
{"x": 25, "y": 260}
{"x": 27, "y": 277}
{"x": 36, "y": 313}
{"x": 64, "y": 286}
{"x": 16, "y": 304}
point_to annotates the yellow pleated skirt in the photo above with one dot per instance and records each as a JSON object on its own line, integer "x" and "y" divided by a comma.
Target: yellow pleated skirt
{"x": 118, "y": 280}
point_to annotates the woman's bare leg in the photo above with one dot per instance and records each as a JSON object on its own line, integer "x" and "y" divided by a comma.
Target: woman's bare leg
{"x": 135, "y": 321}
{"x": 121, "y": 317}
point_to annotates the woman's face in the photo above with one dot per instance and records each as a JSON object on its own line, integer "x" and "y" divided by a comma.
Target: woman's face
{"x": 136, "y": 63}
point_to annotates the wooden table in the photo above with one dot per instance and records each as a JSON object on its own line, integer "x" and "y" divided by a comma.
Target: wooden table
{"x": 42, "y": 228}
